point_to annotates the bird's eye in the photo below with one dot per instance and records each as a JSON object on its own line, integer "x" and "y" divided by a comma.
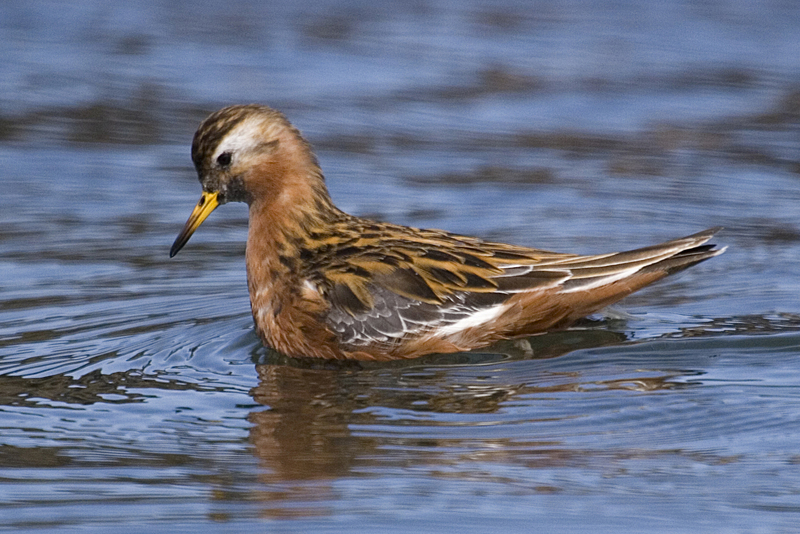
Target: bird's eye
{"x": 224, "y": 159}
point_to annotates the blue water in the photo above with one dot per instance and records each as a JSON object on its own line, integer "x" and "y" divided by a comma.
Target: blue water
{"x": 134, "y": 394}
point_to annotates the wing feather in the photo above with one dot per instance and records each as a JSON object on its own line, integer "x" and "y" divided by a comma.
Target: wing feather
{"x": 401, "y": 281}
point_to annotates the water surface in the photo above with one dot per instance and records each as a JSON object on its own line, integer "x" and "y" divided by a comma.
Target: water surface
{"x": 134, "y": 393}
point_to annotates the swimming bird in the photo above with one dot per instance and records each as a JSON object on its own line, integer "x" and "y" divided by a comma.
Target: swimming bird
{"x": 327, "y": 284}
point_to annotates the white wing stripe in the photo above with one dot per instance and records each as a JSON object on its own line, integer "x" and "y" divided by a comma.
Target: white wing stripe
{"x": 475, "y": 319}
{"x": 605, "y": 280}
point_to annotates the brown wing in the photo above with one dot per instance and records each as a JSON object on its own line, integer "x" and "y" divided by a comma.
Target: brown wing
{"x": 387, "y": 284}
{"x": 427, "y": 265}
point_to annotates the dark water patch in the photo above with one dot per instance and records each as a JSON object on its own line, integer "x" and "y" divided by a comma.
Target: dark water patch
{"x": 771, "y": 231}
{"x": 134, "y": 45}
{"x": 706, "y": 76}
{"x": 148, "y": 116}
{"x": 504, "y": 20}
{"x": 353, "y": 143}
{"x": 331, "y": 27}
{"x": 491, "y": 80}
{"x": 144, "y": 114}
{"x": 786, "y": 111}
{"x": 88, "y": 389}
{"x": 503, "y": 79}
{"x": 571, "y": 142}
{"x": 690, "y": 80}
{"x": 9, "y": 129}
{"x": 743, "y": 325}
{"x": 492, "y": 174}
{"x": 32, "y": 458}
{"x": 422, "y": 214}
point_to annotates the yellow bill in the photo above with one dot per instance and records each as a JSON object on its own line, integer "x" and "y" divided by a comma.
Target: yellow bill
{"x": 208, "y": 202}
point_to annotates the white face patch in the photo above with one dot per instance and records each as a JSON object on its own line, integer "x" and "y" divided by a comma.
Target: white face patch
{"x": 246, "y": 136}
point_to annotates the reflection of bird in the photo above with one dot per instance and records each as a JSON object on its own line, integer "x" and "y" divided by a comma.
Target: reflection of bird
{"x": 330, "y": 285}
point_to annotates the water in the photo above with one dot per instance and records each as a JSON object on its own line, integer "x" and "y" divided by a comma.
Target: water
{"x": 134, "y": 394}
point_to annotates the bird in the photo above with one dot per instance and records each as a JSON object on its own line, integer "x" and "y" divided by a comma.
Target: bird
{"x": 327, "y": 284}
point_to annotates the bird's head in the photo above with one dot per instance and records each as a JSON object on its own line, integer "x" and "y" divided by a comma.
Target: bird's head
{"x": 249, "y": 153}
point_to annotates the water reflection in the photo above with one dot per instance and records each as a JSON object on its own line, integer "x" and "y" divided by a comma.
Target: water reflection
{"x": 306, "y": 432}
{"x": 308, "y": 413}
{"x": 323, "y": 423}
